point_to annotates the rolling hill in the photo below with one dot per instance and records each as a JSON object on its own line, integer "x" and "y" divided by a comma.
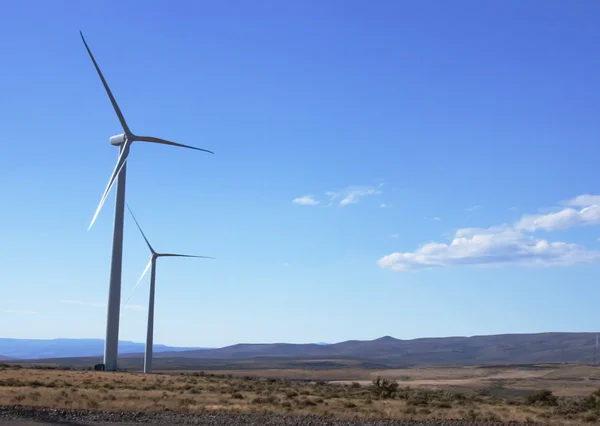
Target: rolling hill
{"x": 385, "y": 352}
{"x": 495, "y": 349}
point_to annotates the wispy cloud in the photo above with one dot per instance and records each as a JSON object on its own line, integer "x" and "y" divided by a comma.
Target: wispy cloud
{"x": 305, "y": 200}
{"x": 508, "y": 244}
{"x": 101, "y": 305}
{"x": 394, "y": 236}
{"x": 18, "y": 311}
{"x": 345, "y": 197}
{"x": 353, "y": 195}
{"x": 436, "y": 219}
{"x": 384, "y": 206}
{"x": 332, "y": 195}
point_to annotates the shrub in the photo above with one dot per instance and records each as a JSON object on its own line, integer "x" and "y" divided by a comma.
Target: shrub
{"x": 384, "y": 388}
{"x": 271, "y": 399}
{"x": 543, "y": 397}
{"x": 593, "y": 400}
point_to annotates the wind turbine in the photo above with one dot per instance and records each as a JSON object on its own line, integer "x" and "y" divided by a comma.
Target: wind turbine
{"x": 123, "y": 141}
{"x": 152, "y": 263}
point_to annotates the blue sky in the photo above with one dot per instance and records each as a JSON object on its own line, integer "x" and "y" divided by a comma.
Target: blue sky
{"x": 382, "y": 168}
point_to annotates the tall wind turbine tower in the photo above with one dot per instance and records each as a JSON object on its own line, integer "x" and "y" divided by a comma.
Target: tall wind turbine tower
{"x": 152, "y": 264}
{"x": 124, "y": 142}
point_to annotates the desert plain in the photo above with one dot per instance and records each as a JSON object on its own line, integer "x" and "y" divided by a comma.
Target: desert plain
{"x": 554, "y": 394}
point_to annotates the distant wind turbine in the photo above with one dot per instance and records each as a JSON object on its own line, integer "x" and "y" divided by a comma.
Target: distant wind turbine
{"x": 152, "y": 263}
{"x": 124, "y": 141}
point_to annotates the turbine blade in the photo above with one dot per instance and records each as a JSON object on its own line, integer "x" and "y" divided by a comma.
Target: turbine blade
{"x": 144, "y": 273}
{"x": 183, "y": 255}
{"x": 120, "y": 163}
{"x": 166, "y": 142}
{"x": 140, "y": 228}
{"x": 108, "y": 92}
{"x": 136, "y": 284}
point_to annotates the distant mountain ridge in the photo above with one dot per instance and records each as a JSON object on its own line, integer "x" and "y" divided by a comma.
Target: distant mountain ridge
{"x": 383, "y": 352}
{"x": 67, "y": 348}
{"x": 493, "y": 349}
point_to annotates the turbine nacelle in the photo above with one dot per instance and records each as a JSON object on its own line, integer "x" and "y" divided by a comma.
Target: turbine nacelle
{"x": 118, "y": 140}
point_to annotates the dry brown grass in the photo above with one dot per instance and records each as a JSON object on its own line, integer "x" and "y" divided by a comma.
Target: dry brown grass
{"x": 193, "y": 392}
{"x": 563, "y": 380}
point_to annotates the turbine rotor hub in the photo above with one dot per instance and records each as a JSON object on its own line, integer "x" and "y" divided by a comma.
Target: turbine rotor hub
{"x": 118, "y": 140}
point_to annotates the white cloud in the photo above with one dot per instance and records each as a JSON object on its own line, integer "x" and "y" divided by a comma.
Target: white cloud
{"x": 101, "y": 305}
{"x": 19, "y": 311}
{"x": 306, "y": 200}
{"x": 507, "y": 244}
{"x": 394, "y": 236}
{"x": 384, "y": 206}
{"x": 473, "y": 208}
{"x": 584, "y": 200}
{"x": 562, "y": 219}
{"x": 353, "y": 195}
{"x": 347, "y": 196}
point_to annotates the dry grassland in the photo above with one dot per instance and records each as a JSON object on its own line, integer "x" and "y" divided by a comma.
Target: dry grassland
{"x": 433, "y": 398}
{"x": 562, "y": 380}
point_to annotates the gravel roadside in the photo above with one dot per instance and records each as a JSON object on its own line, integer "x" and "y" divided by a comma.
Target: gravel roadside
{"x": 44, "y": 416}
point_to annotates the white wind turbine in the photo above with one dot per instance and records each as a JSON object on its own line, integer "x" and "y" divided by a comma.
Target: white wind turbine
{"x": 123, "y": 141}
{"x": 152, "y": 263}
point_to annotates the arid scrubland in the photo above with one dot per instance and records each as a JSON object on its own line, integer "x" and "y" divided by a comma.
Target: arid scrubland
{"x": 193, "y": 392}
